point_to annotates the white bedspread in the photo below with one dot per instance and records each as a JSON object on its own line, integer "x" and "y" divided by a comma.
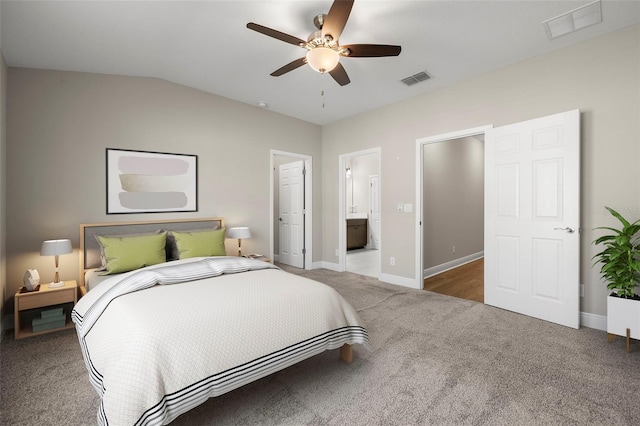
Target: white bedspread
{"x": 156, "y": 351}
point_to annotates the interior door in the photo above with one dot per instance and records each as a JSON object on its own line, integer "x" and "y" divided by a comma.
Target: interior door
{"x": 532, "y": 218}
{"x": 291, "y": 214}
{"x": 374, "y": 212}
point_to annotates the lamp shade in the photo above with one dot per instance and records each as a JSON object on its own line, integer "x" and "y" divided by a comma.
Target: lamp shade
{"x": 55, "y": 247}
{"x": 240, "y": 232}
{"x": 323, "y": 59}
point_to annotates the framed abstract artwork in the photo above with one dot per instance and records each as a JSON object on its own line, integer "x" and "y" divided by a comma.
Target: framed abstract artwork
{"x": 151, "y": 182}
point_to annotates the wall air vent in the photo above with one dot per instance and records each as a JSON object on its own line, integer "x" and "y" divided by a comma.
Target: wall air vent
{"x": 416, "y": 78}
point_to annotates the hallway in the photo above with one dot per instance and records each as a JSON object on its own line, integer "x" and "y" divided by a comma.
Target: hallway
{"x": 464, "y": 282}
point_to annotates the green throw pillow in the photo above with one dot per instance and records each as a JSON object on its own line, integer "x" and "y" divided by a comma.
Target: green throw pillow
{"x": 200, "y": 243}
{"x": 124, "y": 253}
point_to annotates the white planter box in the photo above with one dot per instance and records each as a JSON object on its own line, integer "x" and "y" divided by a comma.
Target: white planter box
{"x": 622, "y": 314}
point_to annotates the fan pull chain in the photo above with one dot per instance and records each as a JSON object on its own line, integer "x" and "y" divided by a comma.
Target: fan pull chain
{"x": 324, "y": 80}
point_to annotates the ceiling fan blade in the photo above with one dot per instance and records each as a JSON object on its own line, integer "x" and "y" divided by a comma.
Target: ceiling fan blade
{"x": 276, "y": 34}
{"x": 336, "y": 19}
{"x": 290, "y": 67}
{"x": 371, "y": 50}
{"x": 340, "y": 75}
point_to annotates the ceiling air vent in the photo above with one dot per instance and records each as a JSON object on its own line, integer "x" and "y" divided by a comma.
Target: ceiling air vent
{"x": 577, "y": 19}
{"x": 416, "y": 78}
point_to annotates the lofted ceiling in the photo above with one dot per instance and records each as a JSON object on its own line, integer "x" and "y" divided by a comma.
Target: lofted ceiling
{"x": 206, "y": 45}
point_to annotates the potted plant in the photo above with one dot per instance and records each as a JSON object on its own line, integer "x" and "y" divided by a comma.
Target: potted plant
{"x": 620, "y": 260}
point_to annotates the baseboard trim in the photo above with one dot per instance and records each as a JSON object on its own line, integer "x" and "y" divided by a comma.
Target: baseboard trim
{"x": 326, "y": 265}
{"x": 435, "y": 270}
{"x": 391, "y": 279}
{"x": 397, "y": 280}
{"x": 598, "y": 322}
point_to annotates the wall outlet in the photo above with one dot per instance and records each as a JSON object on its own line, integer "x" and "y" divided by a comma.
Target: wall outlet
{"x": 337, "y": 252}
{"x": 400, "y": 207}
{"x": 454, "y": 249}
{"x": 392, "y": 261}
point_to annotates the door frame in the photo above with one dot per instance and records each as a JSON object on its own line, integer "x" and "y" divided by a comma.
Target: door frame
{"x": 370, "y": 232}
{"x": 308, "y": 204}
{"x": 342, "y": 214}
{"x": 420, "y": 143}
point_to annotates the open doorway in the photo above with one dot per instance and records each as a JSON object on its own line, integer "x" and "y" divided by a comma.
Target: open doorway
{"x": 532, "y": 208}
{"x": 360, "y": 218}
{"x": 451, "y": 196}
{"x": 291, "y": 209}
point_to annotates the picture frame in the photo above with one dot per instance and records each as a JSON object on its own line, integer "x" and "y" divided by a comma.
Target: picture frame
{"x": 150, "y": 182}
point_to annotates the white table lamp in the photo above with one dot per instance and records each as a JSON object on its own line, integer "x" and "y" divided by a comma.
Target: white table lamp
{"x": 56, "y": 248}
{"x": 241, "y": 233}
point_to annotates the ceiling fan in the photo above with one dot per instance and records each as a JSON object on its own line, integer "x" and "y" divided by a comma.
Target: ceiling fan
{"x": 323, "y": 49}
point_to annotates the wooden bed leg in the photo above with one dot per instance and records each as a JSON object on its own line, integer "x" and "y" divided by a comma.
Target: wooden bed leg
{"x": 346, "y": 353}
{"x": 628, "y": 340}
{"x": 611, "y": 337}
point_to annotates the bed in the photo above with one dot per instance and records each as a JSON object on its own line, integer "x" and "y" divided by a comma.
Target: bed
{"x": 159, "y": 340}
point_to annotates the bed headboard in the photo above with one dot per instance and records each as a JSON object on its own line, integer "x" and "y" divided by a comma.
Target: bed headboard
{"x": 90, "y": 250}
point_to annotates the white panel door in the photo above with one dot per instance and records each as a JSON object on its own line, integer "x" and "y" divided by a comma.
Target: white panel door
{"x": 532, "y": 218}
{"x": 374, "y": 212}
{"x": 291, "y": 218}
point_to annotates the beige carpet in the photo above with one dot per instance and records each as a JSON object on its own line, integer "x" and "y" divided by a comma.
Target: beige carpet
{"x": 434, "y": 360}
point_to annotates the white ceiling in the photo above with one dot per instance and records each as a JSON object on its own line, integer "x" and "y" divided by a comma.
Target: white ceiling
{"x": 206, "y": 45}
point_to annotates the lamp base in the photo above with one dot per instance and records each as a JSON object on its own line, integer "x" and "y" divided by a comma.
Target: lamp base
{"x": 56, "y": 285}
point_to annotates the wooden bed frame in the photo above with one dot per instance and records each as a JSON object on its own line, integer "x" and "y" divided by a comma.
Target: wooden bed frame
{"x": 90, "y": 251}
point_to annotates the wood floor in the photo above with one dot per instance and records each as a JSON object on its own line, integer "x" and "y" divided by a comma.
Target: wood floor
{"x": 464, "y": 282}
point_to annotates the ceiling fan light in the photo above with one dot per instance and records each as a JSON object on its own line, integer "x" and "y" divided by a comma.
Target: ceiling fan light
{"x": 322, "y": 59}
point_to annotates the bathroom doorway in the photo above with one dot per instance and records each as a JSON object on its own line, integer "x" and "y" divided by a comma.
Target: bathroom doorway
{"x": 360, "y": 217}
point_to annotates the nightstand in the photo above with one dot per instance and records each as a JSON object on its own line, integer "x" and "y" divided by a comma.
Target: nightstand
{"x": 44, "y": 297}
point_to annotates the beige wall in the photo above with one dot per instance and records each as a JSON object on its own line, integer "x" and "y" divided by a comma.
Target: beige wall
{"x": 453, "y": 191}
{"x": 61, "y": 122}
{"x": 3, "y": 187}
{"x": 601, "y": 77}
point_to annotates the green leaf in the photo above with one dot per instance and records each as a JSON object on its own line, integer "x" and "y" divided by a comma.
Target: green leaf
{"x": 618, "y": 216}
{"x": 619, "y": 258}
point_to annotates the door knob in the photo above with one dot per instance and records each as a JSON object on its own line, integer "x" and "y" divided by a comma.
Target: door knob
{"x": 566, "y": 229}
